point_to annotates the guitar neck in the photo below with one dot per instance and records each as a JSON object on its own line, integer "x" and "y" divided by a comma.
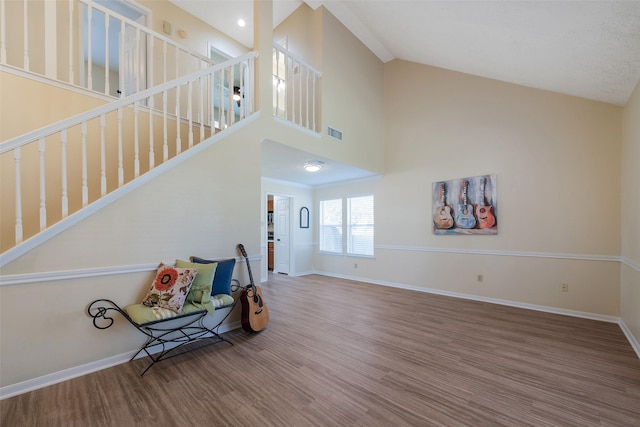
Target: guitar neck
{"x": 246, "y": 259}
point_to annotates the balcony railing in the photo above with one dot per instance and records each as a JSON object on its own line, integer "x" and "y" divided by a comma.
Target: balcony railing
{"x": 296, "y": 89}
{"x": 85, "y": 44}
{"x": 60, "y": 169}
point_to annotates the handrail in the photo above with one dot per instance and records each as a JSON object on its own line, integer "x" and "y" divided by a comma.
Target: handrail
{"x": 112, "y": 106}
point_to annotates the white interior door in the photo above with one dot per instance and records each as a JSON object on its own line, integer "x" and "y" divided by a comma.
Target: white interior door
{"x": 282, "y": 235}
{"x": 134, "y": 59}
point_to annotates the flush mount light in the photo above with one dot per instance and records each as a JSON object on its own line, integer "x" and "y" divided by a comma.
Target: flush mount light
{"x": 313, "y": 166}
{"x": 241, "y": 22}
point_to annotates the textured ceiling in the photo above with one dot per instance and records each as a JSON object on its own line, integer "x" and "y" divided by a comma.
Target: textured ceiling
{"x": 584, "y": 48}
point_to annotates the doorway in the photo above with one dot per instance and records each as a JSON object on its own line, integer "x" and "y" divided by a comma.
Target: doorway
{"x": 101, "y": 72}
{"x": 278, "y": 233}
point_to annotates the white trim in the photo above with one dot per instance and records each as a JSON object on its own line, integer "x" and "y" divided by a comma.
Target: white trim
{"x": 584, "y": 257}
{"x": 629, "y": 263}
{"x": 52, "y": 276}
{"x": 544, "y": 308}
{"x": 78, "y": 371}
{"x": 632, "y": 340}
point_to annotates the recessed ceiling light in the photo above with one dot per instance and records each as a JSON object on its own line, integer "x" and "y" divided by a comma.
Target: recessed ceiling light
{"x": 313, "y": 165}
{"x": 241, "y": 22}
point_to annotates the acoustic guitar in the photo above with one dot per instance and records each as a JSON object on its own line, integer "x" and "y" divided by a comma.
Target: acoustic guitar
{"x": 486, "y": 219}
{"x": 442, "y": 214}
{"x": 465, "y": 218}
{"x": 255, "y": 315}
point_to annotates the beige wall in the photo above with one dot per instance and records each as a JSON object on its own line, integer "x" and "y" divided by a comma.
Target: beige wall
{"x": 352, "y": 96}
{"x": 554, "y": 156}
{"x": 193, "y": 209}
{"x": 630, "y": 269}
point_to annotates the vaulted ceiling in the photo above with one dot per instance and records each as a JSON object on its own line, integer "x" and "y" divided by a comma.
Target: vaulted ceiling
{"x": 584, "y": 48}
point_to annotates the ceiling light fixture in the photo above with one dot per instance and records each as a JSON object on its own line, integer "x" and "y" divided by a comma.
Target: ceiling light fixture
{"x": 241, "y": 22}
{"x": 313, "y": 165}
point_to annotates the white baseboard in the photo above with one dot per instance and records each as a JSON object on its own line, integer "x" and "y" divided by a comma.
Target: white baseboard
{"x": 78, "y": 371}
{"x": 554, "y": 310}
{"x": 632, "y": 340}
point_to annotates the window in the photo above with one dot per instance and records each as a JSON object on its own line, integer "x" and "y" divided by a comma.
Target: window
{"x": 355, "y": 222}
{"x": 331, "y": 225}
{"x": 360, "y": 226}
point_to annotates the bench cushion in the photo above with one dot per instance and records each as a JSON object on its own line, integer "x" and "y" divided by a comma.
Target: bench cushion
{"x": 141, "y": 314}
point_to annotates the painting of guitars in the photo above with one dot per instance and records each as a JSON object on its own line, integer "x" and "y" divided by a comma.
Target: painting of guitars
{"x": 442, "y": 218}
{"x": 255, "y": 315}
{"x": 464, "y": 217}
{"x": 486, "y": 219}
{"x": 475, "y": 210}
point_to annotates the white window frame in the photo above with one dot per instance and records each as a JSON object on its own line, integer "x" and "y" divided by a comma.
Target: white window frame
{"x": 345, "y": 227}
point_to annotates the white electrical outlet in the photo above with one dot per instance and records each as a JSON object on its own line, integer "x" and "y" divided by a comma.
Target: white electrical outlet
{"x": 355, "y": 265}
{"x": 565, "y": 287}
{"x": 480, "y": 278}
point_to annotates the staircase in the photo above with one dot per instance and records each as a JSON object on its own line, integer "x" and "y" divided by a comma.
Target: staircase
{"x": 54, "y": 176}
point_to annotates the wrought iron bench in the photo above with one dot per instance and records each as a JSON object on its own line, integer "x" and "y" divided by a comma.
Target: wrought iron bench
{"x": 173, "y": 333}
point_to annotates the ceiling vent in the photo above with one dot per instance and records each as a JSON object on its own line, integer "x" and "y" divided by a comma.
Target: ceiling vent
{"x": 334, "y": 133}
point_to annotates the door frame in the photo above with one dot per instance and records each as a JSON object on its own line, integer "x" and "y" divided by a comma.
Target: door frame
{"x": 290, "y": 234}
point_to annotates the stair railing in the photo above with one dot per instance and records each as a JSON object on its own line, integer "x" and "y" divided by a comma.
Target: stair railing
{"x": 90, "y": 46}
{"x": 62, "y": 168}
{"x": 296, "y": 89}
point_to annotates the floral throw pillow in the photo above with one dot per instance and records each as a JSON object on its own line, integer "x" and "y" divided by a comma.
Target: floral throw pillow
{"x": 170, "y": 287}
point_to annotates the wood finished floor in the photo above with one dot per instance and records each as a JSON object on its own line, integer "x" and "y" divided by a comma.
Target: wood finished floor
{"x": 344, "y": 353}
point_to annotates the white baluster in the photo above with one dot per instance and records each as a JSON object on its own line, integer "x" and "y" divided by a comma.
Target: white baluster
{"x": 50, "y": 40}
{"x": 85, "y": 187}
{"x": 178, "y": 138}
{"x": 43, "y": 194}
{"x": 313, "y": 117}
{"x": 120, "y": 161}
{"x": 190, "y": 112}
{"x": 299, "y": 67}
{"x": 17, "y": 156}
{"x": 307, "y": 96}
{"x": 212, "y": 110}
{"x": 150, "y": 62}
{"x": 89, "y": 48}
{"x": 103, "y": 156}
{"x": 201, "y": 108}
{"x": 152, "y": 159}
{"x": 231, "y": 111}
{"x": 26, "y": 35}
{"x": 164, "y": 61}
{"x": 165, "y": 136}
{"x": 121, "y": 71}
{"x": 136, "y": 143}
{"x": 221, "y": 119}
{"x": 71, "y": 76}
{"x": 136, "y": 61}
{"x": 65, "y": 195}
{"x": 3, "y": 33}
{"x": 107, "y": 89}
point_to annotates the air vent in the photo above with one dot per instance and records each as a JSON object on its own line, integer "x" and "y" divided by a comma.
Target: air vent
{"x": 334, "y": 133}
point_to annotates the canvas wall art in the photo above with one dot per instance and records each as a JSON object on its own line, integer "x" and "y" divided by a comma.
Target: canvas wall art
{"x": 465, "y": 206}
